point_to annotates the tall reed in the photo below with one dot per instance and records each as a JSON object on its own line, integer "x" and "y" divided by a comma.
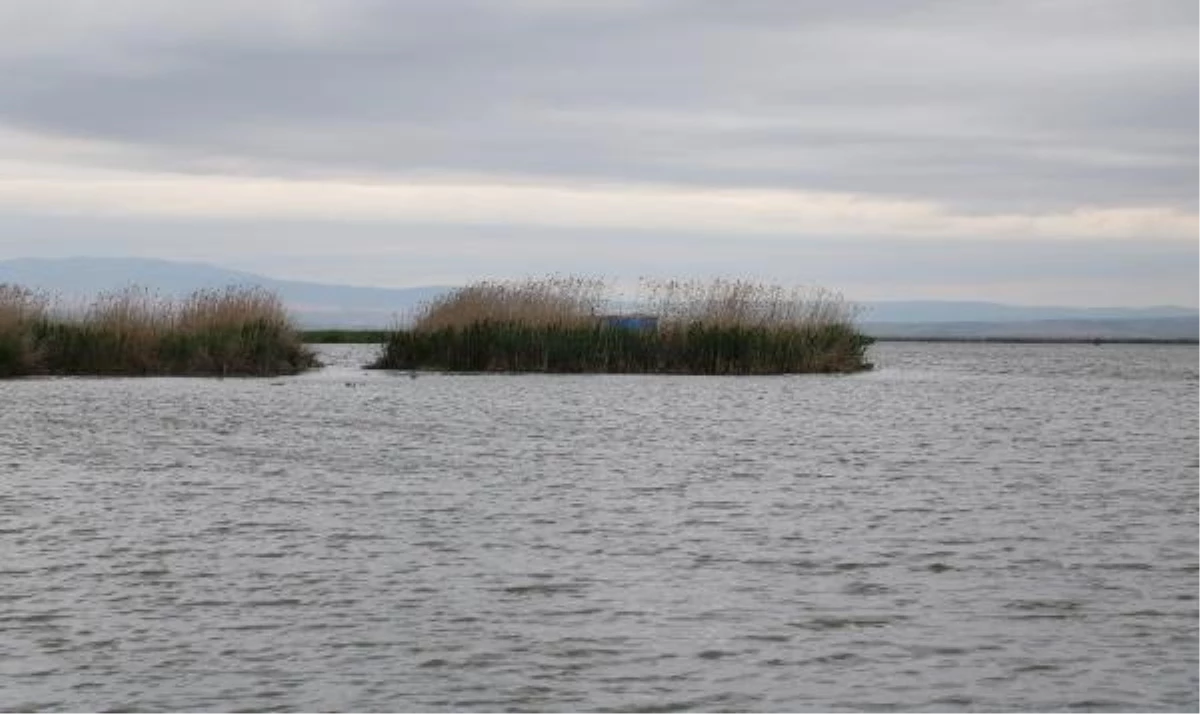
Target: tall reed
{"x": 553, "y": 301}
{"x": 557, "y": 325}
{"x": 20, "y": 310}
{"x": 234, "y": 331}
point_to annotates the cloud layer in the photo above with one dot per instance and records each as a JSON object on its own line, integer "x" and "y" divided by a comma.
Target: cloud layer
{"x": 785, "y": 213}
{"x": 1043, "y": 120}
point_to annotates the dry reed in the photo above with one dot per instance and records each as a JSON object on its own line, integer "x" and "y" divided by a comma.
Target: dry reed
{"x": 555, "y": 325}
{"x": 20, "y": 310}
{"x": 742, "y": 303}
{"x": 552, "y": 301}
{"x": 235, "y": 331}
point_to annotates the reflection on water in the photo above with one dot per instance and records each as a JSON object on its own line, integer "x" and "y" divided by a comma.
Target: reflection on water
{"x": 968, "y": 527}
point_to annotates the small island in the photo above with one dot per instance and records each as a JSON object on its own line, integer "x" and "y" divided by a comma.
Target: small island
{"x": 236, "y": 331}
{"x": 571, "y": 325}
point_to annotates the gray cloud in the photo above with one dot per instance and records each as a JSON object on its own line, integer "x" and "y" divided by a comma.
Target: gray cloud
{"x": 985, "y": 106}
{"x": 1004, "y": 111}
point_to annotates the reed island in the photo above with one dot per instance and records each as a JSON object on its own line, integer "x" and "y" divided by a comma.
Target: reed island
{"x": 236, "y": 331}
{"x": 572, "y": 325}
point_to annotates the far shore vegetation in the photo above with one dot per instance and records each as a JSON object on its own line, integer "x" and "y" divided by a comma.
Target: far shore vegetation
{"x": 344, "y": 336}
{"x": 237, "y": 331}
{"x": 723, "y": 327}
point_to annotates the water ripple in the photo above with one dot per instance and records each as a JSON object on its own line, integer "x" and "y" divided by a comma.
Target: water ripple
{"x": 969, "y": 527}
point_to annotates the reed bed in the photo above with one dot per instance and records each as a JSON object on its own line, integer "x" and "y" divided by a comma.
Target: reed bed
{"x": 21, "y": 310}
{"x": 730, "y": 327}
{"x": 236, "y": 331}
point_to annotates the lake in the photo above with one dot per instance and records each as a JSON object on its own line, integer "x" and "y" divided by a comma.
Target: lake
{"x": 967, "y": 527}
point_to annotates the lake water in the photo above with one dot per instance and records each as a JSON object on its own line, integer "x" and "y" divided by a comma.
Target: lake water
{"x": 968, "y": 527}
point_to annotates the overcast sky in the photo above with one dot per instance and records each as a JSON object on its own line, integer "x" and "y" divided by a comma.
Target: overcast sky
{"x": 1025, "y": 151}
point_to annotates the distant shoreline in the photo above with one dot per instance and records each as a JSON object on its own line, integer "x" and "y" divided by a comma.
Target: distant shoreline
{"x": 344, "y": 337}
{"x": 372, "y": 337}
{"x": 1053, "y": 340}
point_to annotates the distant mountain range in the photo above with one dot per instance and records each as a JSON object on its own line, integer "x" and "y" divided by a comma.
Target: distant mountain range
{"x": 1153, "y": 329}
{"x": 978, "y": 320}
{"x": 953, "y": 311}
{"x": 313, "y": 304}
{"x": 322, "y": 305}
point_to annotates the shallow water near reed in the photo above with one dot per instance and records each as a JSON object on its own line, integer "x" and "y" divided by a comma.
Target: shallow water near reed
{"x": 968, "y": 527}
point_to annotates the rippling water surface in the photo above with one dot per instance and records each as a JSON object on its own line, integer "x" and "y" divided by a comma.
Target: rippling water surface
{"x": 968, "y": 527}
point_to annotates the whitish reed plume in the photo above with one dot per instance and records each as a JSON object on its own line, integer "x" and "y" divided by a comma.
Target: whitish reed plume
{"x": 549, "y": 302}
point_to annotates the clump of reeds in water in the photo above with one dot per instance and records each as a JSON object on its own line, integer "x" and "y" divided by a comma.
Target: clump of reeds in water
{"x": 560, "y": 325}
{"x": 234, "y": 331}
